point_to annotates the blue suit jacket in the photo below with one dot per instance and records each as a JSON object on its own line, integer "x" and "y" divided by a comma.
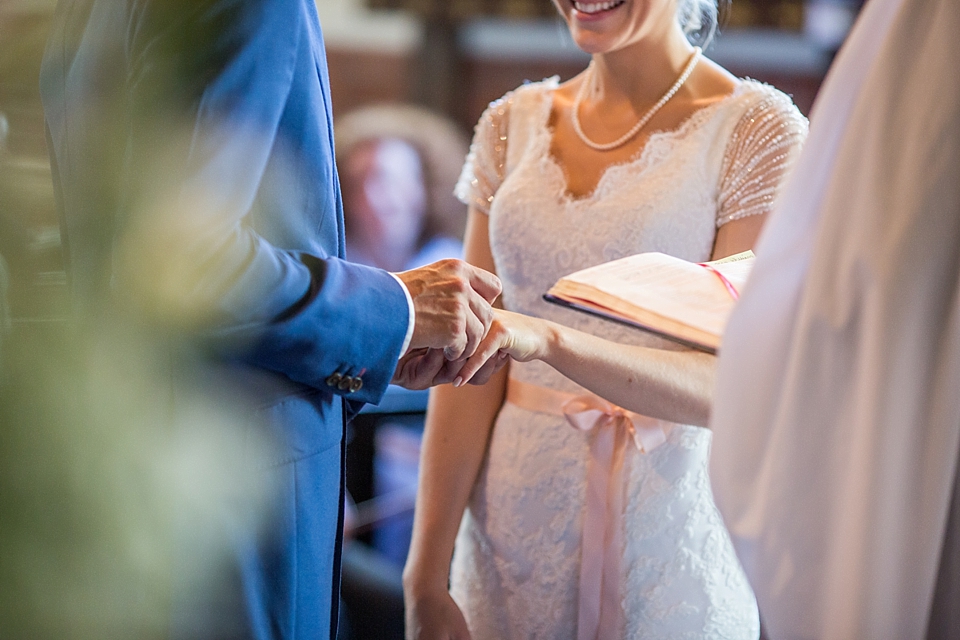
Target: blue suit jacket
{"x": 221, "y": 109}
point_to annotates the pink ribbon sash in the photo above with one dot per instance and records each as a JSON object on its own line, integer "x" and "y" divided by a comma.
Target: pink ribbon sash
{"x": 614, "y": 428}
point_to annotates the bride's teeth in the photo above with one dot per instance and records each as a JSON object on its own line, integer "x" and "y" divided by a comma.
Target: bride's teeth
{"x": 595, "y": 7}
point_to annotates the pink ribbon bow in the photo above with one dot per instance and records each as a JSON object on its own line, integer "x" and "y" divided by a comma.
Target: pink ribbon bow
{"x": 602, "y": 545}
{"x": 602, "y": 542}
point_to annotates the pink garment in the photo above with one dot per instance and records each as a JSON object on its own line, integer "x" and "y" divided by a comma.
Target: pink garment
{"x": 837, "y": 414}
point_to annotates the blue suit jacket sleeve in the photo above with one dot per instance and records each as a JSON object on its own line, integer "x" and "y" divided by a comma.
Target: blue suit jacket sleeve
{"x": 248, "y": 161}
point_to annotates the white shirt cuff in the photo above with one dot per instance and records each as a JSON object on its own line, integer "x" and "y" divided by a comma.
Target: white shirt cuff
{"x": 411, "y": 314}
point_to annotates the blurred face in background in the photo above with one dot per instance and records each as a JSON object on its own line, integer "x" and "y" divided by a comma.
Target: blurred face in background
{"x": 603, "y": 26}
{"x": 385, "y": 202}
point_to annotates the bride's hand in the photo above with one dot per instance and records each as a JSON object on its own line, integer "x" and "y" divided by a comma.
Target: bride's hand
{"x": 434, "y": 617}
{"x": 521, "y": 337}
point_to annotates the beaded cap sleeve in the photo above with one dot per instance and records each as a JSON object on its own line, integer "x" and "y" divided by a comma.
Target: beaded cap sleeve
{"x": 762, "y": 149}
{"x": 485, "y": 166}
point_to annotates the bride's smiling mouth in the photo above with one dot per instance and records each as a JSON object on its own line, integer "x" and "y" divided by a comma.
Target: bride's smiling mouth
{"x": 595, "y": 10}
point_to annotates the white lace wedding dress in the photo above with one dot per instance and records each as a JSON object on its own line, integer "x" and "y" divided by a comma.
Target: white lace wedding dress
{"x": 516, "y": 566}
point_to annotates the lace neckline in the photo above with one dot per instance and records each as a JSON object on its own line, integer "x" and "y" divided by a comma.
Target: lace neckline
{"x": 639, "y": 161}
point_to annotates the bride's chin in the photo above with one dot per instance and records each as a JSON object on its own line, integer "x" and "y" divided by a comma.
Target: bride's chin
{"x": 593, "y": 42}
{"x": 591, "y": 45}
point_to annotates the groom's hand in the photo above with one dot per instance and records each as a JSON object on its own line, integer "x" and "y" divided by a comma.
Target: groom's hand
{"x": 451, "y": 300}
{"x": 424, "y": 368}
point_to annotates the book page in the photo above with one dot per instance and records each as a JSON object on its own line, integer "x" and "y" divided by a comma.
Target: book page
{"x": 661, "y": 291}
{"x": 735, "y": 268}
{"x": 747, "y": 255}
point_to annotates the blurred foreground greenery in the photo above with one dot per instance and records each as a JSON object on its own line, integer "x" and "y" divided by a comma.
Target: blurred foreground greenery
{"x": 103, "y": 480}
{"x": 121, "y": 483}
{"x": 122, "y": 479}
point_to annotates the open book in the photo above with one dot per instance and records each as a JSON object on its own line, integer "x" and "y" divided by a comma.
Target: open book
{"x": 683, "y": 301}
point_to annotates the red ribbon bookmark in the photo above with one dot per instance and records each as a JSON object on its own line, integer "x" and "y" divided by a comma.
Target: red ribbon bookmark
{"x": 732, "y": 290}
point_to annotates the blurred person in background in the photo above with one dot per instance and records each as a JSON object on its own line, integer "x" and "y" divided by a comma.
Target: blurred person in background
{"x": 398, "y": 165}
{"x": 607, "y": 530}
{"x": 192, "y": 154}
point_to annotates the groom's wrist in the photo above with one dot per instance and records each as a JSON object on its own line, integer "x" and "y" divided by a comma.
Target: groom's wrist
{"x": 411, "y": 315}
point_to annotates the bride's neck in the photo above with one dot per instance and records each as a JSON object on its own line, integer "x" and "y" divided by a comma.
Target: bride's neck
{"x": 642, "y": 71}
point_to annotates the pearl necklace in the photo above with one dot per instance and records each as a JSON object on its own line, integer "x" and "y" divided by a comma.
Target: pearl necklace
{"x": 619, "y": 142}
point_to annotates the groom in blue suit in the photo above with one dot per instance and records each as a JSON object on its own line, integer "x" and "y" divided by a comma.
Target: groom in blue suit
{"x": 193, "y": 161}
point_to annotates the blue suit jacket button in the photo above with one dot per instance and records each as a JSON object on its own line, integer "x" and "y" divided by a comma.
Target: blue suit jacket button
{"x": 356, "y": 385}
{"x": 334, "y": 379}
{"x": 345, "y": 383}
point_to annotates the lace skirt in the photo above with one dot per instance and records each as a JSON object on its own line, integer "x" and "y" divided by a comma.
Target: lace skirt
{"x": 515, "y": 571}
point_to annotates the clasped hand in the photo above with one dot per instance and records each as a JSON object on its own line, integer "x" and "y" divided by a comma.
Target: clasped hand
{"x": 452, "y": 306}
{"x": 458, "y": 337}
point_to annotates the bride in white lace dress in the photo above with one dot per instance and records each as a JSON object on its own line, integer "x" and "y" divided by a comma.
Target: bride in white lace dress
{"x": 536, "y": 556}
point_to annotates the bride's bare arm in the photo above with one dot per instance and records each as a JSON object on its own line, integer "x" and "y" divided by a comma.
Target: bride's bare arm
{"x": 670, "y": 385}
{"x": 458, "y": 425}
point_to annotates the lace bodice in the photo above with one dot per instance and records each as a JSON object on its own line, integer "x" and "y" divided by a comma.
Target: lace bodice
{"x": 516, "y": 565}
{"x": 724, "y": 162}
{"x": 761, "y": 147}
